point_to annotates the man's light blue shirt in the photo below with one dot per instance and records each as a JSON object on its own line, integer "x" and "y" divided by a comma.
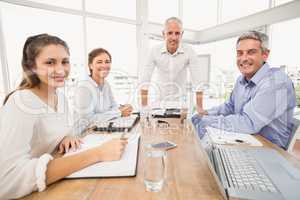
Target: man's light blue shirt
{"x": 263, "y": 105}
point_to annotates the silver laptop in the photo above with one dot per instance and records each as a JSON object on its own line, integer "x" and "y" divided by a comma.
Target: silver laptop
{"x": 252, "y": 172}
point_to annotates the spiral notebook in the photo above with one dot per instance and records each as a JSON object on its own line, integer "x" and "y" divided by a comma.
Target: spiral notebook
{"x": 125, "y": 167}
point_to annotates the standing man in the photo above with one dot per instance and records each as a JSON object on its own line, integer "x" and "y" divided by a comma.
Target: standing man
{"x": 263, "y": 98}
{"x": 173, "y": 61}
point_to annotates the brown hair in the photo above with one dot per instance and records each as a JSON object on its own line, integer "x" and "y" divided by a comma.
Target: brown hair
{"x": 32, "y": 47}
{"x": 96, "y": 52}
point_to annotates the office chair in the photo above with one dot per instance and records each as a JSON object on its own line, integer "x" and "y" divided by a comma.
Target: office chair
{"x": 292, "y": 138}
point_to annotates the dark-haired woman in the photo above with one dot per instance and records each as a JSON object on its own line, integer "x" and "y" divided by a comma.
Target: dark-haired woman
{"x": 94, "y": 101}
{"x": 34, "y": 122}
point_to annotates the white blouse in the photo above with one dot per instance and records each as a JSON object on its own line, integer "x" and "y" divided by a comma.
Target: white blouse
{"x": 30, "y": 131}
{"x": 93, "y": 103}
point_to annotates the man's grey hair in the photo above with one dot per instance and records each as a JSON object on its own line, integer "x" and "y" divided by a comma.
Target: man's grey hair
{"x": 173, "y": 19}
{"x": 256, "y": 35}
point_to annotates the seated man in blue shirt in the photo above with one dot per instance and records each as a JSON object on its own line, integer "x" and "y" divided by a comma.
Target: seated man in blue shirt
{"x": 263, "y": 98}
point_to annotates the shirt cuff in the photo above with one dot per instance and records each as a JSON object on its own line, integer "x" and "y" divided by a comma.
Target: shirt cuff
{"x": 212, "y": 111}
{"x": 40, "y": 171}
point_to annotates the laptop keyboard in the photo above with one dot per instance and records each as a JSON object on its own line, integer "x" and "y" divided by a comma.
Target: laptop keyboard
{"x": 244, "y": 172}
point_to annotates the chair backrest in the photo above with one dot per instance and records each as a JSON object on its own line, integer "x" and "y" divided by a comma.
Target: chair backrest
{"x": 292, "y": 138}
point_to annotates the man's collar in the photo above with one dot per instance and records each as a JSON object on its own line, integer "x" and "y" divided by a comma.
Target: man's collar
{"x": 164, "y": 49}
{"x": 258, "y": 76}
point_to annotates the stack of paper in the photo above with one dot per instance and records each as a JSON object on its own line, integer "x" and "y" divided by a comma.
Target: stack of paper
{"x": 219, "y": 136}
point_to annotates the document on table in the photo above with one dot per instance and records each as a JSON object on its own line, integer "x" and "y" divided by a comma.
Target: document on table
{"x": 117, "y": 124}
{"x": 220, "y": 136}
{"x": 126, "y": 166}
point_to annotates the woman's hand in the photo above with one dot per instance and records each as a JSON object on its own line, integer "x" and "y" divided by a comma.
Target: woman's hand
{"x": 111, "y": 150}
{"x": 125, "y": 110}
{"x": 69, "y": 142}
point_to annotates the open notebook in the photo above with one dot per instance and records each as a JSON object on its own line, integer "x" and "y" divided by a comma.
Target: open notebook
{"x": 124, "y": 167}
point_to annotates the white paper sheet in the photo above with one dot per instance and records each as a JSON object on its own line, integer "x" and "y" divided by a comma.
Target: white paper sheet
{"x": 124, "y": 167}
{"x": 220, "y": 136}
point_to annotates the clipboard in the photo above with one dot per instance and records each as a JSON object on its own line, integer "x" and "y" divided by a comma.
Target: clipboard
{"x": 167, "y": 113}
{"x": 120, "y": 124}
{"x": 125, "y": 167}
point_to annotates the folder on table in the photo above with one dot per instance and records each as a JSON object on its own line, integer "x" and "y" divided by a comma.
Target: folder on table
{"x": 166, "y": 113}
{"x": 125, "y": 167}
{"x": 119, "y": 124}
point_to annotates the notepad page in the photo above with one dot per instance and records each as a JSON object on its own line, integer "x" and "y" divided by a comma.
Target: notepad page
{"x": 124, "y": 167}
{"x": 220, "y": 136}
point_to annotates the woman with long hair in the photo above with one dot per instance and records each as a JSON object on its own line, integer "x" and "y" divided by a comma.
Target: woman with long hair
{"x": 34, "y": 123}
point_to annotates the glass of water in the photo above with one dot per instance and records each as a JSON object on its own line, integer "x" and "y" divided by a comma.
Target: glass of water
{"x": 154, "y": 169}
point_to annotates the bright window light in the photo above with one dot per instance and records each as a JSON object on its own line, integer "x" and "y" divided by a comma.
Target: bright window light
{"x": 200, "y": 14}
{"x": 233, "y": 9}
{"x": 279, "y": 2}
{"x": 125, "y": 9}
{"x": 223, "y": 71}
{"x": 36, "y": 21}
{"x": 73, "y": 4}
{"x": 160, "y": 10}
{"x": 284, "y": 36}
{"x": 120, "y": 40}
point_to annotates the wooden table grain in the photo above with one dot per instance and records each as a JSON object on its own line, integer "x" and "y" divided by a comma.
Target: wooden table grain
{"x": 188, "y": 175}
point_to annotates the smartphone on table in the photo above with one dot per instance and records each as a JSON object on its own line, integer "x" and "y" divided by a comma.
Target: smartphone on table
{"x": 164, "y": 145}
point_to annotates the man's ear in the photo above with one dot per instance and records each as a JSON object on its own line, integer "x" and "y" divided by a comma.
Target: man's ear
{"x": 266, "y": 54}
{"x": 163, "y": 34}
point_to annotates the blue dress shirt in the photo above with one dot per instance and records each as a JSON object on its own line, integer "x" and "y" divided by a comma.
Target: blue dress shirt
{"x": 262, "y": 105}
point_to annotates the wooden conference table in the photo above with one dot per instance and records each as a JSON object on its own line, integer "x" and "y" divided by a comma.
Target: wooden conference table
{"x": 188, "y": 174}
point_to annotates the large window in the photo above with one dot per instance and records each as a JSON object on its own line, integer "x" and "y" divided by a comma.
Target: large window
{"x": 233, "y": 9}
{"x": 160, "y": 10}
{"x": 284, "y": 37}
{"x": 126, "y": 9}
{"x": 285, "y": 51}
{"x": 200, "y": 14}
{"x": 223, "y": 71}
{"x": 279, "y": 2}
{"x": 74, "y": 4}
{"x": 21, "y": 22}
{"x": 120, "y": 40}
